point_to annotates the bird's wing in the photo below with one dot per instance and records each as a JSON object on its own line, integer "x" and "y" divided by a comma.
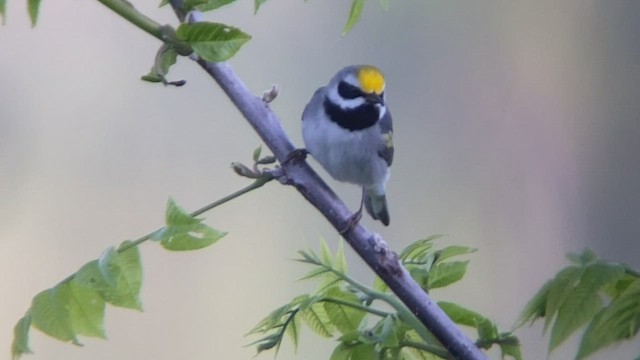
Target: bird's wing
{"x": 386, "y": 133}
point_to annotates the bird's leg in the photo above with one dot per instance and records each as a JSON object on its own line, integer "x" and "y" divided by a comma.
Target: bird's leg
{"x": 354, "y": 219}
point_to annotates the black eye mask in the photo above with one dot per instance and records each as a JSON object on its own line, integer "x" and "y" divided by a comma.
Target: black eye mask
{"x": 348, "y": 91}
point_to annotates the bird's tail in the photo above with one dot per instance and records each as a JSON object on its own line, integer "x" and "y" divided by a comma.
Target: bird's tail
{"x": 376, "y": 204}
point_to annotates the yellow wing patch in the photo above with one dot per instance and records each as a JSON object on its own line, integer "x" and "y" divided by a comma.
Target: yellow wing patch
{"x": 371, "y": 80}
{"x": 387, "y": 139}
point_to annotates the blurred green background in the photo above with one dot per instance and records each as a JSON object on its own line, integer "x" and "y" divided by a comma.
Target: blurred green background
{"x": 517, "y": 131}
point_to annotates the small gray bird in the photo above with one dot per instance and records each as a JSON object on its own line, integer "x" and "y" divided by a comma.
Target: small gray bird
{"x": 347, "y": 128}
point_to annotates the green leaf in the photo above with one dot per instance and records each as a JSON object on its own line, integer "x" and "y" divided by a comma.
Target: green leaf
{"x": 317, "y": 319}
{"x": 33, "y": 6}
{"x": 86, "y": 310}
{"x": 116, "y": 276}
{"x": 326, "y": 256}
{"x": 257, "y": 4}
{"x": 293, "y": 331}
{"x": 20, "y": 345}
{"x": 461, "y": 315}
{"x": 256, "y": 153}
{"x": 447, "y": 273}
{"x": 185, "y": 232}
{"x": 511, "y": 350}
{"x": 204, "y": 5}
{"x": 587, "y": 257}
{"x": 418, "y": 249}
{"x": 380, "y": 285}
{"x": 212, "y": 41}
{"x": 619, "y": 321}
{"x": 535, "y": 308}
{"x": 163, "y": 3}
{"x": 354, "y": 15}
{"x": 3, "y": 10}
{"x": 166, "y": 56}
{"x": 559, "y": 289}
{"x": 364, "y": 352}
{"x": 346, "y": 319}
{"x": 342, "y": 352}
{"x": 584, "y": 302}
{"x": 451, "y": 251}
{"x": 50, "y": 313}
{"x": 487, "y": 330}
{"x": 340, "y": 261}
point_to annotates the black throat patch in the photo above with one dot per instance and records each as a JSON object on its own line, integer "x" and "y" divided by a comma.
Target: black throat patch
{"x": 359, "y": 118}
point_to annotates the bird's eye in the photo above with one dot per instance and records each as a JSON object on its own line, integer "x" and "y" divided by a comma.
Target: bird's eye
{"x": 348, "y": 91}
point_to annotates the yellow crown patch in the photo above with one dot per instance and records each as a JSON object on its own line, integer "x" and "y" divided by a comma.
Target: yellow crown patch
{"x": 371, "y": 80}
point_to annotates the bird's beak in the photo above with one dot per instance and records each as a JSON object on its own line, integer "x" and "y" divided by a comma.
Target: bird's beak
{"x": 374, "y": 98}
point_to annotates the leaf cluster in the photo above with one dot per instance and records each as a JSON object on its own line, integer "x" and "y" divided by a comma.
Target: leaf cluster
{"x": 357, "y": 315}
{"x": 76, "y": 306}
{"x": 601, "y": 296}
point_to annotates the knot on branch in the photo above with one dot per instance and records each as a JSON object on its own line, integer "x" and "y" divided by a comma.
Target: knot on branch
{"x": 387, "y": 258}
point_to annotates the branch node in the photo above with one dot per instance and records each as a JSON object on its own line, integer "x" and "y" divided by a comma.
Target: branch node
{"x": 388, "y": 259}
{"x": 269, "y": 95}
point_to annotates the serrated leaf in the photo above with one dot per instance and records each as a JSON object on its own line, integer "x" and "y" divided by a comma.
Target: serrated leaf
{"x": 619, "y": 321}
{"x": 418, "y": 353}
{"x": 33, "y": 6}
{"x": 451, "y": 251}
{"x": 86, "y": 310}
{"x": 559, "y": 289}
{"x": 340, "y": 261}
{"x": 20, "y": 344}
{"x": 204, "y": 5}
{"x": 326, "y": 256}
{"x": 418, "y": 249}
{"x": 50, "y": 314}
{"x": 354, "y": 15}
{"x": 212, "y": 41}
{"x": 346, "y": 319}
{"x": 257, "y": 4}
{"x": 447, "y": 273}
{"x": 461, "y": 315}
{"x": 535, "y": 308}
{"x": 116, "y": 276}
{"x": 184, "y": 232}
{"x": 317, "y": 319}
{"x": 293, "y": 331}
{"x": 584, "y": 302}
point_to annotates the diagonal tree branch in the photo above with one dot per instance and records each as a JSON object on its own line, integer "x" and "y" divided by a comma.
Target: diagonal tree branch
{"x": 371, "y": 247}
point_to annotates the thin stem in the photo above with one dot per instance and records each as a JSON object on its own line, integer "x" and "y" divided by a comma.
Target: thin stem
{"x": 127, "y": 11}
{"x": 357, "y": 306}
{"x": 254, "y": 185}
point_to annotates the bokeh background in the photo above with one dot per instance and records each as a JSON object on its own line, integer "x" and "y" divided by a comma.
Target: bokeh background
{"x": 517, "y": 131}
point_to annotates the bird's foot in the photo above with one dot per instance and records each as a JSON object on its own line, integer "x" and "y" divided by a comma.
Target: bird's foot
{"x": 352, "y": 221}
